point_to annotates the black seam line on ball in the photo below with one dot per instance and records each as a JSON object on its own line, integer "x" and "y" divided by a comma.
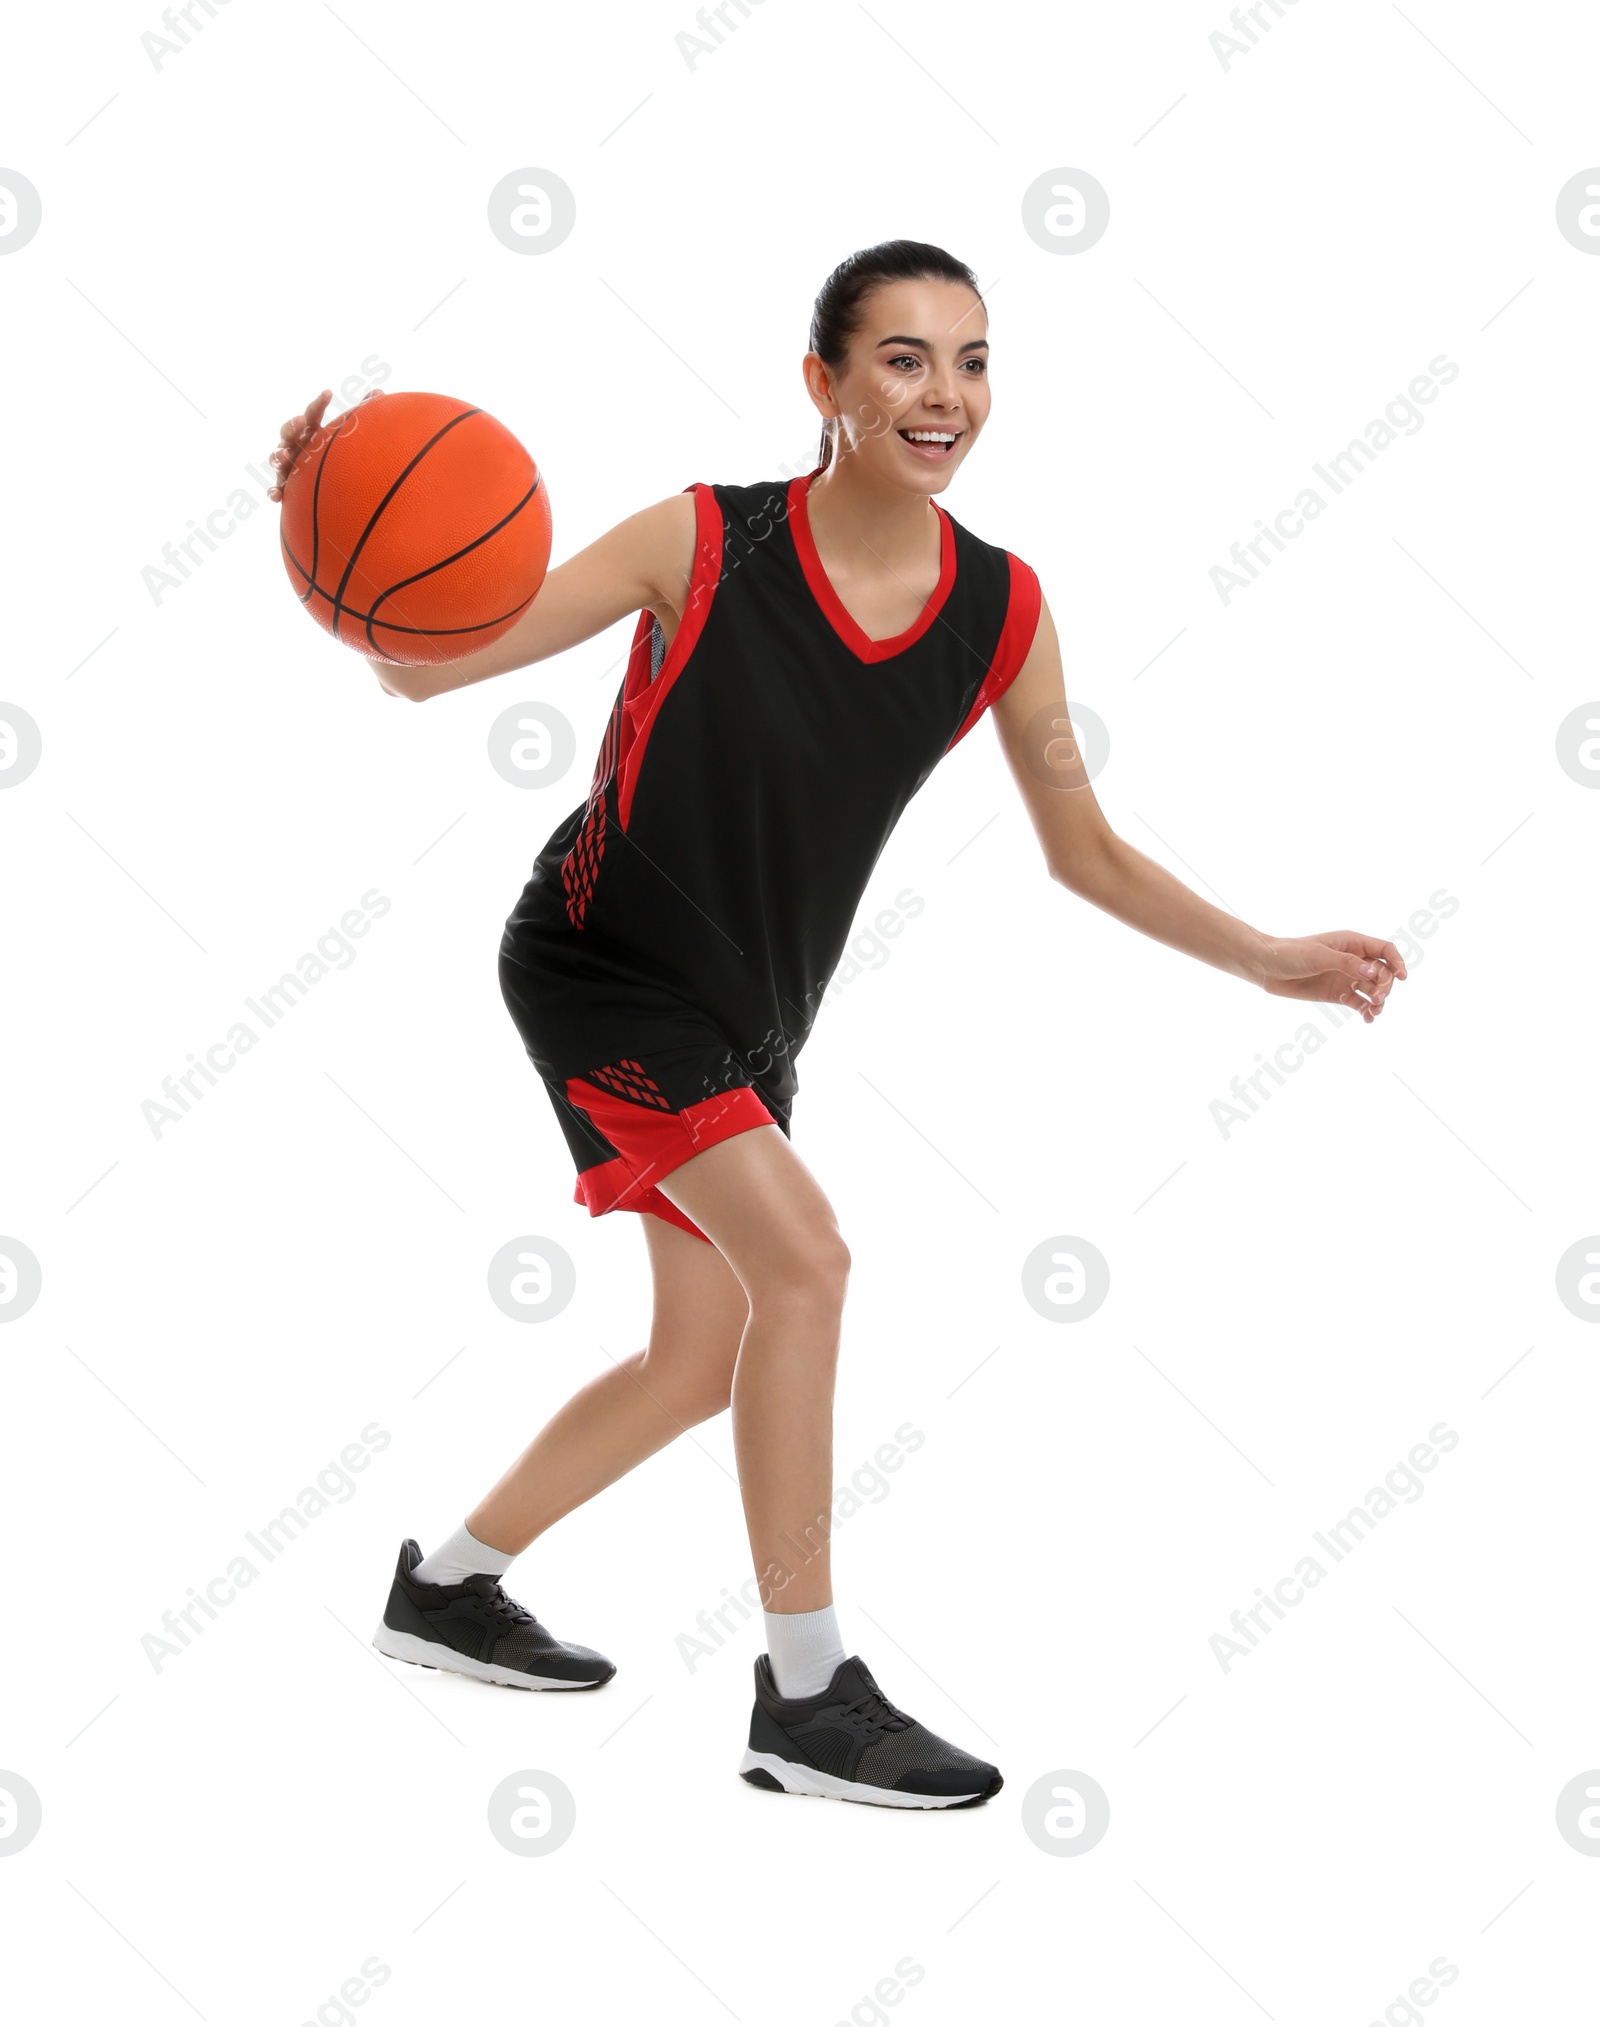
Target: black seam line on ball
{"x": 444, "y": 563}
{"x": 338, "y": 597}
{"x": 311, "y": 584}
{"x": 391, "y": 625}
{"x": 440, "y": 632}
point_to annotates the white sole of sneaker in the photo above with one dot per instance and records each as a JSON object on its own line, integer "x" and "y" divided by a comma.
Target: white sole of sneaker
{"x": 799, "y": 1780}
{"x": 433, "y": 1654}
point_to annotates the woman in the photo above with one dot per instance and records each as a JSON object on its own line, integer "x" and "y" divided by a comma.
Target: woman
{"x": 806, "y": 652}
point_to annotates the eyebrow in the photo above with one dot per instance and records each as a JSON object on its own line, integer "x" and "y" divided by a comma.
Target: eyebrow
{"x": 922, "y": 344}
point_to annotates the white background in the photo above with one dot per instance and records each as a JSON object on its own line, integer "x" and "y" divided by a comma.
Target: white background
{"x": 1293, "y": 1305}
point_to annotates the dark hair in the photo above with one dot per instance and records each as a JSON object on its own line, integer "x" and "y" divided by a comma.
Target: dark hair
{"x": 837, "y": 314}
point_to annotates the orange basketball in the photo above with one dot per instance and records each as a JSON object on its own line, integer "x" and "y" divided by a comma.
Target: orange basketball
{"x": 415, "y": 527}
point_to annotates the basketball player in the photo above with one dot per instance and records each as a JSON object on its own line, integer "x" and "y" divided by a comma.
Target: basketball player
{"x": 806, "y": 653}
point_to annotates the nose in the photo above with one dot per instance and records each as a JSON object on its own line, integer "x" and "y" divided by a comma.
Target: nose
{"x": 942, "y": 389}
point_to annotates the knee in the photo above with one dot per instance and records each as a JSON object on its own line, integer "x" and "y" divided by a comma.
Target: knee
{"x": 708, "y": 1398}
{"x": 689, "y": 1389}
{"x": 811, "y": 1272}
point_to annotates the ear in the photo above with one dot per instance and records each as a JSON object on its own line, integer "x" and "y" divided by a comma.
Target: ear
{"x": 819, "y": 384}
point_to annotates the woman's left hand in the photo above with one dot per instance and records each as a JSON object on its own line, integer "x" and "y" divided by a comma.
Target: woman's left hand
{"x": 1353, "y": 970}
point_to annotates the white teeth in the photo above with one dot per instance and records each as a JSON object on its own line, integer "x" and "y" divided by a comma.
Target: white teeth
{"x": 927, "y": 436}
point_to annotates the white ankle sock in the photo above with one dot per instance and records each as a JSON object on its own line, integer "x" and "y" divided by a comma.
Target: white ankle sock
{"x": 462, "y": 1556}
{"x": 804, "y": 1650}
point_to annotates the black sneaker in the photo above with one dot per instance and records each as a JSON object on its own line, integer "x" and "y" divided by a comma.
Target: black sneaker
{"x": 473, "y": 1628}
{"x": 850, "y": 1742}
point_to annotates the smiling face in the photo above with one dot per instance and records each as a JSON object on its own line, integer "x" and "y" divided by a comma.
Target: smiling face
{"x": 913, "y": 390}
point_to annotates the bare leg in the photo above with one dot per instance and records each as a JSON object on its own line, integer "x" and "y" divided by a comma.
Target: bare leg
{"x": 766, "y": 1214}
{"x": 636, "y": 1408}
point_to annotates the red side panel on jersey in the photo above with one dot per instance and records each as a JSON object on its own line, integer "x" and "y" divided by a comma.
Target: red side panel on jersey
{"x": 1011, "y": 651}
{"x": 641, "y": 698}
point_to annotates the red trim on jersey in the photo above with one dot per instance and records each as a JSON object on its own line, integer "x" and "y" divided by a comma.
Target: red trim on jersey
{"x": 642, "y": 698}
{"x": 1011, "y": 650}
{"x": 652, "y": 1143}
{"x": 844, "y": 626}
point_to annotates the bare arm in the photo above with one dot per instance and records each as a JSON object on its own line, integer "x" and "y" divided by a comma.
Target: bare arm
{"x": 1087, "y": 856}
{"x": 644, "y": 561}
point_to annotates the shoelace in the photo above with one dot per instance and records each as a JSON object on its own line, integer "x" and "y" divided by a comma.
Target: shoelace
{"x": 877, "y": 1713}
{"x": 506, "y": 1608}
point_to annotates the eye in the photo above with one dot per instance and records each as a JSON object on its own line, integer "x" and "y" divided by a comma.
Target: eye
{"x": 906, "y": 359}
{"x": 980, "y": 364}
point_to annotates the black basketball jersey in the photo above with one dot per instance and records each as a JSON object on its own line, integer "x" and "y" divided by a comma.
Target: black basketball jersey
{"x": 748, "y": 779}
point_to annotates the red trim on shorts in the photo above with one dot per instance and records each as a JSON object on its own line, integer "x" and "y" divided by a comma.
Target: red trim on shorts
{"x": 650, "y": 1200}
{"x": 1011, "y": 650}
{"x": 651, "y": 1143}
{"x": 861, "y": 644}
{"x": 642, "y": 698}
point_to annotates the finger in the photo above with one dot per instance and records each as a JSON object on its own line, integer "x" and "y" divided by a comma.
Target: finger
{"x": 305, "y": 435}
{"x": 1376, "y": 993}
{"x": 1369, "y": 946}
{"x": 293, "y": 437}
{"x": 295, "y": 431}
{"x": 1348, "y": 963}
{"x": 1382, "y": 952}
